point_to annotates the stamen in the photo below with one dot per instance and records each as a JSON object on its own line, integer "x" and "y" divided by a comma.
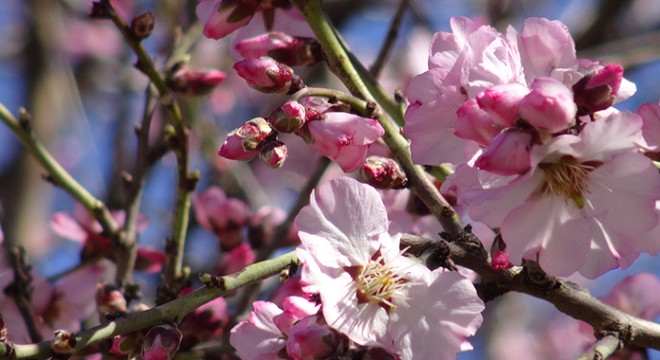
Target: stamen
{"x": 568, "y": 178}
{"x": 378, "y": 282}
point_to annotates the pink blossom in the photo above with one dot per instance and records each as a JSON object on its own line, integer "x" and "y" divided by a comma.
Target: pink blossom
{"x": 584, "y": 205}
{"x": 221, "y": 215}
{"x": 636, "y": 295}
{"x": 309, "y": 340}
{"x": 62, "y": 305}
{"x": 370, "y": 291}
{"x": 287, "y": 49}
{"x": 650, "y": 114}
{"x": 84, "y": 229}
{"x": 205, "y": 323}
{"x": 343, "y": 137}
{"x": 195, "y": 83}
{"x": 259, "y": 338}
{"x": 236, "y": 259}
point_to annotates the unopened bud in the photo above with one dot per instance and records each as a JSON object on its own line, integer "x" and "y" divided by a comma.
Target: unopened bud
{"x": 161, "y": 342}
{"x": 274, "y": 154}
{"x": 244, "y": 143}
{"x": 508, "y": 154}
{"x": 268, "y": 76}
{"x": 383, "y": 173}
{"x": 101, "y": 10}
{"x": 288, "y": 118}
{"x": 142, "y": 25}
{"x": 109, "y": 300}
{"x": 598, "y": 91}
{"x": 499, "y": 256}
{"x": 195, "y": 83}
{"x": 289, "y": 50}
{"x": 549, "y": 106}
{"x": 64, "y": 342}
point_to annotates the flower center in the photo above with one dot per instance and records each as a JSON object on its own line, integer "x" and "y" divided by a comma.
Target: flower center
{"x": 568, "y": 178}
{"x": 380, "y": 283}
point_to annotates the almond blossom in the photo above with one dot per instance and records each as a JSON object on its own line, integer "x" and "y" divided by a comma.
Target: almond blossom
{"x": 583, "y": 204}
{"x": 369, "y": 290}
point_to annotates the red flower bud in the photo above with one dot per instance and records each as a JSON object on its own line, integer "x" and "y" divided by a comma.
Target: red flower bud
{"x": 274, "y": 154}
{"x": 288, "y": 118}
{"x": 383, "y": 173}
{"x": 268, "y": 76}
{"x": 289, "y": 50}
{"x": 161, "y": 342}
{"x": 244, "y": 143}
{"x": 195, "y": 83}
{"x": 598, "y": 91}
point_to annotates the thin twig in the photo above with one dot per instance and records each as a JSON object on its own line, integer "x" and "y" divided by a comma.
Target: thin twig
{"x": 602, "y": 348}
{"x": 174, "y": 310}
{"x": 390, "y": 39}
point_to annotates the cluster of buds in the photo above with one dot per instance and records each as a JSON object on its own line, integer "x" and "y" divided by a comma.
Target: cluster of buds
{"x": 255, "y": 137}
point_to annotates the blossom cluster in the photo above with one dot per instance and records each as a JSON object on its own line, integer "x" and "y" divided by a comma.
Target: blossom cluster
{"x": 539, "y": 152}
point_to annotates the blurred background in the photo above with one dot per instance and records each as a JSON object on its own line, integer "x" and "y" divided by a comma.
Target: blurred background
{"x": 75, "y": 75}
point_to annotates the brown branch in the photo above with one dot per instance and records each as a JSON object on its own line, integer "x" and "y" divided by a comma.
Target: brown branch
{"x": 602, "y": 348}
{"x": 569, "y": 298}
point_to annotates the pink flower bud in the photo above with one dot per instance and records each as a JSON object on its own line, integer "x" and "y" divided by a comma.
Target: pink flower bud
{"x": 236, "y": 259}
{"x": 499, "y": 255}
{"x": 598, "y": 91}
{"x": 244, "y": 143}
{"x": 289, "y": 50}
{"x": 195, "y": 83}
{"x": 221, "y": 215}
{"x": 383, "y": 173}
{"x": 549, "y": 106}
{"x": 508, "y": 154}
{"x": 109, "y": 300}
{"x": 309, "y": 340}
{"x": 273, "y": 154}
{"x": 288, "y": 118}
{"x": 64, "y": 342}
{"x": 502, "y": 102}
{"x": 149, "y": 260}
{"x": 473, "y": 123}
{"x": 268, "y": 76}
{"x": 161, "y": 342}
{"x": 203, "y": 324}
{"x": 222, "y": 17}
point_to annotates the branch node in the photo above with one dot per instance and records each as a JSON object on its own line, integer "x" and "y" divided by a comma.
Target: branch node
{"x": 210, "y": 280}
{"x": 25, "y": 120}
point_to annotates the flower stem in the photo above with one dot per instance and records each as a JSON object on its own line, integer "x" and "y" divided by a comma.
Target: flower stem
{"x": 339, "y": 61}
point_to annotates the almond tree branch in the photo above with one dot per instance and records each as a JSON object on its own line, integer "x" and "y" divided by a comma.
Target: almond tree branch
{"x": 57, "y": 174}
{"x": 340, "y": 64}
{"x": 174, "y": 310}
{"x": 569, "y": 298}
{"x": 390, "y": 39}
{"x": 602, "y": 348}
{"x": 179, "y": 142}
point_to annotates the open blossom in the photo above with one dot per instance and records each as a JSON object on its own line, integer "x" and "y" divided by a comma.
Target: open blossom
{"x": 584, "y": 205}
{"x": 369, "y": 290}
{"x": 343, "y": 137}
{"x": 518, "y": 79}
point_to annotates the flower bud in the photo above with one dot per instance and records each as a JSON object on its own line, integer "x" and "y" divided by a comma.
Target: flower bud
{"x": 236, "y": 259}
{"x": 383, "y": 173}
{"x": 195, "y": 83}
{"x": 273, "y": 154}
{"x": 64, "y": 342}
{"x": 268, "y": 76}
{"x": 161, "y": 342}
{"x": 549, "y": 106}
{"x": 473, "y": 123}
{"x": 288, "y": 118}
{"x": 598, "y": 91}
{"x": 142, "y": 25}
{"x": 499, "y": 256}
{"x": 244, "y": 143}
{"x": 221, "y": 18}
{"x": 508, "y": 154}
{"x": 502, "y": 102}
{"x": 309, "y": 340}
{"x": 109, "y": 300}
{"x": 289, "y": 50}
